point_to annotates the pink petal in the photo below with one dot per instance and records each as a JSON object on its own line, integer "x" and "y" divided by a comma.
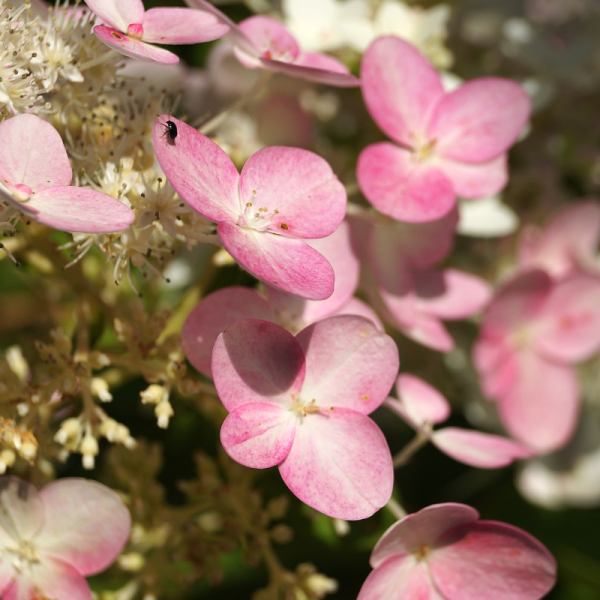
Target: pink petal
{"x": 450, "y": 294}
{"x": 86, "y": 525}
{"x": 27, "y": 141}
{"x": 478, "y": 180}
{"x": 498, "y": 365}
{"x": 309, "y": 199}
{"x": 480, "y": 120}
{"x": 568, "y": 327}
{"x": 270, "y": 38}
{"x": 21, "y": 510}
{"x": 491, "y": 560}
{"x": 181, "y": 26}
{"x": 349, "y": 363}
{"x": 402, "y": 188}
{"x": 423, "y": 402}
{"x": 131, "y": 47}
{"x": 118, "y": 13}
{"x": 259, "y": 435}
{"x": 542, "y": 407}
{"x": 310, "y": 73}
{"x": 201, "y": 173}
{"x": 336, "y": 73}
{"x": 400, "y": 89}
{"x": 358, "y": 308}
{"x": 339, "y": 464}
{"x": 420, "y": 529}
{"x": 212, "y": 315}
{"x": 478, "y": 449}
{"x": 73, "y": 208}
{"x": 257, "y": 361}
{"x": 287, "y": 263}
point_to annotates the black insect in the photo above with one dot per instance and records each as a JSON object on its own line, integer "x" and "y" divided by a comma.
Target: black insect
{"x": 170, "y": 132}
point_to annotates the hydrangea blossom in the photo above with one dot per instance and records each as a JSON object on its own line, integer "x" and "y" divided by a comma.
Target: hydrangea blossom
{"x": 282, "y": 196}
{"x": 52, "y": 539}
{"x": 444, "y": 552}
{"x": 40, "y": 189}
{"x": 302, "y": 403}
{"x": 446, "y": 144}
{"x": 131, "y": 31}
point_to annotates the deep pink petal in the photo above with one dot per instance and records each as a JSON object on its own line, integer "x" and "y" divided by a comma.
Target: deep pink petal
{"x": 259, "y": 435}
{"x": 498, "y": 365}
{"x": 118, "y": 13}
{"x": 289, "y": 264}
{"x": 475, "y": 180}
{"x": 21, "y": 510}
{"x": 400, "y": 89}
{"x": 86, "y": 525}
{"x": 181, "y": 26}
{"x": 424, "y": 403}
{"x": 212, "y": 315}
{"x": 131, "y": 47}
{"x": 420, "y": 529}
{"x": 402, "y": 188}
{"x": 311, "y": 73}
{"x": 203, "y": 175}
{"x": 339, "y": 464}
{"x": 270, "y": 38}
{"x": 491, "y": 560}
{"x": 480, "y": 120}
{"x": 27, "y": 142}
{"x": 478, "y": 449}
{"x": 257, "y": 361}
{"x": 309, "y": 200}
{"x": 349, "y": 363}
{"x": 73, "y": 208}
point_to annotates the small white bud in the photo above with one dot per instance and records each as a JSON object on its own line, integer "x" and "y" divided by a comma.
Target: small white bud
{"x": 163, "y": 412}
{"x": 99, "y": 388}
{"x": 154, "y": 394}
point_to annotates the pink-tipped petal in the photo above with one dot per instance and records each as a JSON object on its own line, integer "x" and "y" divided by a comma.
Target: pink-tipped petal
{"x": 491, "y": 560}
{"x": 212, "y": 315}
{"x": 27, "y": 142}
{"x": 21, "y": 510}
{"x": 402, "y": 188}
{"x": 308, "y": 199}
{"x": 71, "y": 208}
{"x": 349, "y": 363}
{"x": 286, "y": 263}
{"x": 259, "y": 435}
{"x": 423, "y": 402}
{"x": 480, "y": 120}
{"x": 181, "y": 26}
{"x": 201, "y": 173}
{"x": 86, "y": 526}
{"x": 478, "y": 449}
{"x": 118, "y": 13}
{"x": 475, "y": 180}
{"x": 270, "y": 38}
{"x": 400, "y": 88}
{"x": 310, "y": 73}
{"x": 339, "y": 464}
{"x": 134, "y": 48}
{"x": 257, "y": 361}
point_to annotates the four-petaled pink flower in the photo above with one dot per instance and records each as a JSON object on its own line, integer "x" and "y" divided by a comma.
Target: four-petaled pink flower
{"x": 446, "y": 144}
{"x": 41, "y": 189}
{"x": 265, "y": 43}
{"x": 282, "y": 196}
{"x": 131, "y": 31}
{"x": 301, "y": 403}
{"x": 52, "y": 539}
{"x": 444, "y": 552}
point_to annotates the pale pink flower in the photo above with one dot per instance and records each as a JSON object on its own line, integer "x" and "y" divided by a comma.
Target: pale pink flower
{"x": 131, "y": 31}
{"x": 531, "y": 334}
{"x": 265, "y": 43}
{"x": 282, "y": 196}
{"x": 52, "y": 539}
{"x": 446, "y": 144}
{"x": 40, "y": 188}
{"x": 444, "y": 552}
{"x": 422, "y": 406}
{"x": 301, "y": 403}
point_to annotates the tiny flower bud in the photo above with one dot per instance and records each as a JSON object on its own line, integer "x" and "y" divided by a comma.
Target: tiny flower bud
{"x": 320, "y": 585}
{"x": 163, "y": 412}
{"x": 18, "y": 365}
{"x": 7, "y": 459}
{"x": 154, "y": 394}
{"x": 99, "y": 388}
{"x": 132, "y": 562}
{"x": 89, "y": 450}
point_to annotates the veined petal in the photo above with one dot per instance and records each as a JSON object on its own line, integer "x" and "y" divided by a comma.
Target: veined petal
{"x": 135, "y": 48}
{"x": 118, "y": 13}
{"x": 181, "y": 26}
{"x": 21, "y": 510}
{"x": 270, "y": 38}
{"x": 475, "y": 180}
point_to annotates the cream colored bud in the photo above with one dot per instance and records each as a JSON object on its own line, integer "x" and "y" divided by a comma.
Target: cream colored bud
{"x": 22, "y": 408}
{"x": 69, "y": 429}
{"x": 154, "y": 394}
{"x": 108, "y": 428}
{"x": 132, "y": 562}
{"x": 210, "y": 521}
{"x": 99, "y": 360}
{"x": 341, "y": 527}
{"x": 7, "y": 459}
{"x": 28, "y": 450}
{"x": 99, "y": 388}
{"x": 320, "y": 585}
{"x": 163, "y": 412}
{"x": 17, "y": 363}
{"x": 89, "y": 450}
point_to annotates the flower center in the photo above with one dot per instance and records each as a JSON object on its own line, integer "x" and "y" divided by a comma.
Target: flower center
{"x": 256, "y": 216}
{"x": 425, "y": 150}
{"x": 23, "y": 555}
{"x": 422, "y": 552}
{"x": 135, "y": 31}
{"x": 308, "y": 407}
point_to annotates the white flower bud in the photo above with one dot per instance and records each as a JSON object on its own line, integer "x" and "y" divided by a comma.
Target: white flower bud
{"x": 163, "y": 412}
{"x": 89, "y": 450}
{"x": 132, "y": 562}
{"x": 17, "y": 363}
{"x": 154, "y": 394}
{"x": 99, "y": 388}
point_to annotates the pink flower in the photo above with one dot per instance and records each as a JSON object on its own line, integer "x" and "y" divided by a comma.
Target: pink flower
{"x": 444, "y": 553}
{"x": 131, "y": 31}
{"x": 446, "y": 144}
{"x": 265, "y": 43}
{"x": 41, "y": 189}
{"x": 531, "y": 334}
{"x": 282, "y": 196}
{"x": 422, "y": 406}
{"x": 301, "y": 403}
{"x": 52, "y": 539}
